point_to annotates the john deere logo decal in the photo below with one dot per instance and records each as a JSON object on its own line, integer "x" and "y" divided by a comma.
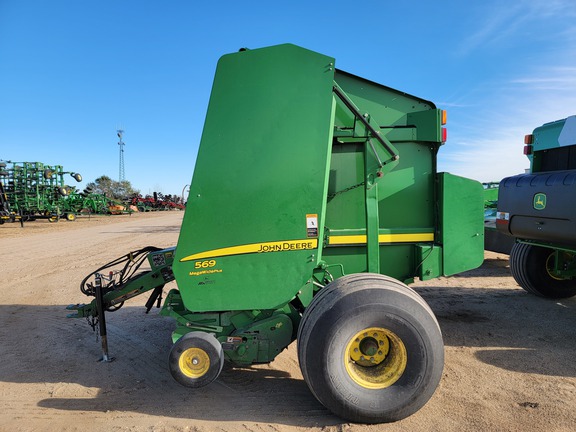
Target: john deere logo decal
{"x": 540, "y": 201}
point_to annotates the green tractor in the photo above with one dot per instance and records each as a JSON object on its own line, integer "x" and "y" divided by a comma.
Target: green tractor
{"x": 315, "y": 199}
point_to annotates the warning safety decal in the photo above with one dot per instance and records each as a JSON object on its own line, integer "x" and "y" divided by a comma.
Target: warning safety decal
{"x": 312, "y": 225}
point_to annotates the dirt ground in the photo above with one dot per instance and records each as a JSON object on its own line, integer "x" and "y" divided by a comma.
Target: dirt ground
{"x": 510, "y": 357}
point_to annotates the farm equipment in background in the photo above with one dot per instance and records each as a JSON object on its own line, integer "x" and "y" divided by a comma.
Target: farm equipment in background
{"x": 157, "y": 201}
{"x": 314, "y": 200}
{"x": 88, "y": 202}
{"x": 538, "y": 210}
{"x": 6, "y": 213}
{"x": 35, "y": 190}
{"x": 494, "y": 240}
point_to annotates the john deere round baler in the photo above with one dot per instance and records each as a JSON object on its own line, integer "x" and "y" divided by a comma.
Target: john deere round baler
{"x": 314, "y": 201}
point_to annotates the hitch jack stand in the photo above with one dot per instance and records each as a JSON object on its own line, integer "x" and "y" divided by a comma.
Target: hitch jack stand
{"x": 102, "y": 320}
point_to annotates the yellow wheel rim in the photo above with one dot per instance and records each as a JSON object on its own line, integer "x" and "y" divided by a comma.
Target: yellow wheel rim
{"x": 375, "y": 358}
{"x": 550, "y": 264}
{"x": 194, "y": 362}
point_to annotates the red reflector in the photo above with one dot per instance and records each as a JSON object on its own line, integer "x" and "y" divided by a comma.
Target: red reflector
{"x": 444, "y": 134}
{"x": 527, "y": 149}
{"x": 528, "y": 139}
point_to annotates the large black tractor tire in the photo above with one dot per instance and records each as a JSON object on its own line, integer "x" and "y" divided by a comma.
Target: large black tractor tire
{"x": 196, "y": 359}
{"x": 370, "y": 349}
{"x": 530, "y": 266}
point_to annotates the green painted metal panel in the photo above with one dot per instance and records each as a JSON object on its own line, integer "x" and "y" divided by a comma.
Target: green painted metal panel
{"x": 462, "y": 223}
{"x": 262, "y": 170}
{"x": 402, "y": 200}
{"x": 429, "y": 261}
{"x": 554, "y": 146}
{"x": 389, "y": 106}
{"x": 549, "y": 135}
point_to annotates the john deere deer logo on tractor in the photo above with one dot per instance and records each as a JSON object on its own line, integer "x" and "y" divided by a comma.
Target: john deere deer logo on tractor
{"x": 540, "y": 201}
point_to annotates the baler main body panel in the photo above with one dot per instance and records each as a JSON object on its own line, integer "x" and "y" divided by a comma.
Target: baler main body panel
{"x": 288, "y": 179}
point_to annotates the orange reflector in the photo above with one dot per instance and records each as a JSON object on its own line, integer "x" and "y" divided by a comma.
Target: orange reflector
{"x": 444, "y": 117}
{"x": 528, "y": 139}
{"x": 444, "y": 134}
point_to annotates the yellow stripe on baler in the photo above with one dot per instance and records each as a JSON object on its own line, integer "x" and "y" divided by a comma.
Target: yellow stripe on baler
{"x": 382, "y": 238}
{"x": 274, "y": 246}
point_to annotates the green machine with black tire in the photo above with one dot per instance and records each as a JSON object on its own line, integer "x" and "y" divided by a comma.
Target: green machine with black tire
{"x": 538, "y": 210}
{"x": 315, "y": 199}
{"x": 34, "y": 190}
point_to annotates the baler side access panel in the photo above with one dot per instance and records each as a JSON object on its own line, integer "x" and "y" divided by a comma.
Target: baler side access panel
{"x": 314, "y": 199}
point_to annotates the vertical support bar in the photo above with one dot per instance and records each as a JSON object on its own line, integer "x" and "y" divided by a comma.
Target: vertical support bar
{"x": 372, "y": 219}
{"x": 101, "y": 318}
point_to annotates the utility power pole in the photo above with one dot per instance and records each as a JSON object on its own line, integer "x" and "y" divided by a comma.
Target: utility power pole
{"x": 121, "y": 174}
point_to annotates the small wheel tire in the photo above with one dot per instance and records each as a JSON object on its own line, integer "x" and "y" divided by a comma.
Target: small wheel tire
{"x": 370, "y": 349}
{"x": 70, "y": 217}
{"x": 196, "y": 359}
{"x": 53, "y": 219}
{"x": 529, "y": 265}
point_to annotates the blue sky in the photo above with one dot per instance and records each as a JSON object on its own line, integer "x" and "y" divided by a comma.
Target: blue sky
{"x": 72, "y": 72}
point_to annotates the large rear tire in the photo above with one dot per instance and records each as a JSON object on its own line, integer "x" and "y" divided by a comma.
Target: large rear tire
{"x": 196, "y": 359}
{"x": 370, "y": 349}
{"x": 531, "y": 268}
